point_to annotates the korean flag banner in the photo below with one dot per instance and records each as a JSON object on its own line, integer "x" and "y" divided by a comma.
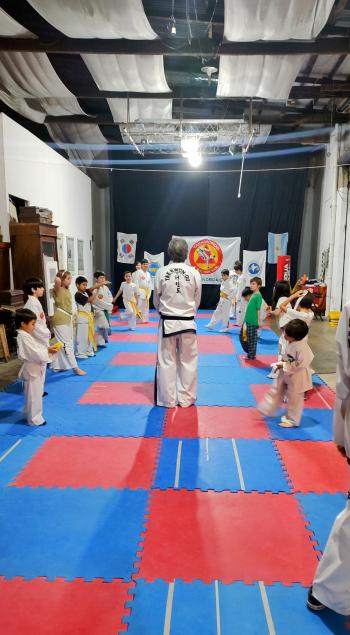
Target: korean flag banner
{"x": 254, "y": 264}
{"x": 126, "y": 247}
{"x": 156, "y": 261}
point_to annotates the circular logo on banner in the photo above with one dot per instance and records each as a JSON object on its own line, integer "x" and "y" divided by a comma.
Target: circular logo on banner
{"x": 206, "y": 256}
{"x": 126, "y": 248}
{"x": 153, "y": 268}
{"x": 254, "y": 268}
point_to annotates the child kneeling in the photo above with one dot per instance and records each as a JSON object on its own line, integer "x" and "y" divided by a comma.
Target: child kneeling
{"x": 293, "y": 377}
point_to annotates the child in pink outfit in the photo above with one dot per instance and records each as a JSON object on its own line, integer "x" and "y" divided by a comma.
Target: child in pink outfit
{"x": 293, "y": 377}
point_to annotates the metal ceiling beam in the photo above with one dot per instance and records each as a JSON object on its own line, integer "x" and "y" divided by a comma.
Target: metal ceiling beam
{"x": 197, "y": 48}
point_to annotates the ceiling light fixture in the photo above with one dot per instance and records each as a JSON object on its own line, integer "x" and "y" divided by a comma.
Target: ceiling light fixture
{"x": 209, "y": 71}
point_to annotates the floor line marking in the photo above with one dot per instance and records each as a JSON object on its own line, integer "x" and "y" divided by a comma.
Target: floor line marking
{"x": 217, "y": 606}
{"x": 207, "y": 449}
{"x": 238, "y": 464}
{"x": 169, "y": 608}
{"x": 323, "y": 399}
{"x": 10, "y": 450}
{"x": 266, "y": 605}
{"x": 178, "y": 464}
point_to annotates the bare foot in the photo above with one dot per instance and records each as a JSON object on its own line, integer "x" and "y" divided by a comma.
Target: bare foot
{"x": 78, "y": 371}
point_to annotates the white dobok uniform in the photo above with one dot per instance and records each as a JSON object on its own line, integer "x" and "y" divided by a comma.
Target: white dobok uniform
{"x": 177, "y": 294}
{"x": 84, "y": 335}
{"x": 222, "y": 311}
{"x": 240, "y": 302}
{"x": 144, "y": 283}
{"x": 331, "y": 584}
{"x": 234, "y": 280}
{"x": 293, "y": 380}
{"x": 35, "y": 357}
{"x": 41, "y": 332}
{"x": 100, "y": 305}
{"x": 130, "y": 295}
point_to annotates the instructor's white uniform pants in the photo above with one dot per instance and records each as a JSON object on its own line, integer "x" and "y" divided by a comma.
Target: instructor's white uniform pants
{"x": 177, "y": 361}
{"x": 65, "y": 358}
{"x": 331, "y": 585}
{"x": 221, "y": 314}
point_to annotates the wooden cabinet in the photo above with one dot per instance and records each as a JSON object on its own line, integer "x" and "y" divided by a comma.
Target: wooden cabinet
{"x": 30, "y": 242}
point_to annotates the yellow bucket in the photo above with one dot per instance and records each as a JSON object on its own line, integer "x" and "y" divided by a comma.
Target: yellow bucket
{"x": 333, "y": 317}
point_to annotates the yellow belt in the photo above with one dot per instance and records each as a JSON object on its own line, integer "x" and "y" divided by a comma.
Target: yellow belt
{"x": 135, "y": 308}
{"x": 223, "y": 295}
{"x": 91, "y": 327}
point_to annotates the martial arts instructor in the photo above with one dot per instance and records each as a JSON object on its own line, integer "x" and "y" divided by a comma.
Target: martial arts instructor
{"x": 177, "y": 294}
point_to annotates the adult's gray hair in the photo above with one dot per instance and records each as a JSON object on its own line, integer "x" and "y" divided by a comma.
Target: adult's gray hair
{"x": 178, "y": 250}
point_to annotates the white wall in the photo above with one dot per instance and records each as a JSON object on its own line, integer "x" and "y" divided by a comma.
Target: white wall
{"x": 31, "y": 170}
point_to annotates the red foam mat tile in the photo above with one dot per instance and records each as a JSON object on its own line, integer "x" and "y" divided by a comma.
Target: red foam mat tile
{"x": 314, "y": 466}
{"x": 215, "y": 344}
{"x": 227, "y": 536}
{"x": 39, "y": 607}
{"x": 215, "y": 422}
{"x": 134, "y": 359}
{"x": 129, "y": 336}
{"x": 119, "y": 392}
{"x": 320, "y": 397}
{"x": 261, "y": 361}
{"x": 91, "y": 462}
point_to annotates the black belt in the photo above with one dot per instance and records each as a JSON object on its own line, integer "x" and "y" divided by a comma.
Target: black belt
{"x": 176, "y": 317}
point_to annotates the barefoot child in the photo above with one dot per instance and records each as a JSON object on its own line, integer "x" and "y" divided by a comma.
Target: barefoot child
{"x": 252, "y": 317}
{"x": 35, "y": 355}
{"x": 222, "y": 311}
{"x": 85, "y": 332}
{"x": 62, "y": 325}
{"x": 103, "y": 306}
{"x": 130, "y": 292}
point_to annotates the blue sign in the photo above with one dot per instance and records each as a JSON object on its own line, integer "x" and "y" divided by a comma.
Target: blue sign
{"x": 254, "y": 268}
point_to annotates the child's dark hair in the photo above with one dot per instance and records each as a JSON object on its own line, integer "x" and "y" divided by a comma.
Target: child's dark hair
{"x": 24, "y": 315}
{"x": 144, "y": 261}
{"x": 99, "y": 273}
{"x": 297, "y": 329}
{"x": 32, "y": 283}
{"x": 125, "y": 272}
{"x": 280, "y": 290}
{"x": 80, "y": 280}
{"x": 306, "y": 301}
{"x": 238, "y": 266}
{"x": 225, "y": 272}
{"x": 257, "y": 280}
{"x": 246, "y": 292}
{"x": 137, "y": 262}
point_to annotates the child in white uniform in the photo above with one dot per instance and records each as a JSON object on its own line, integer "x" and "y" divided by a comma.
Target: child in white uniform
{"x": 35, "y": 356}
{"x": 144, "y": 283}
{"x": 103, "y": 306}
{"x": 130, "y": 293}
{"x": 293, "y": 378}
{"x": 85, "y": 331}
{"x": 34, "y": 289}
{"x": 222, "y": 311}
{"x": 137, "y": 268}
{"x": 238, "y": 300}
{"x": 62, "y": 325}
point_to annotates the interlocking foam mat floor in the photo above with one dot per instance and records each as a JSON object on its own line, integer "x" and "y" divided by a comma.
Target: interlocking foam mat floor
{"x": 119, "y": 515}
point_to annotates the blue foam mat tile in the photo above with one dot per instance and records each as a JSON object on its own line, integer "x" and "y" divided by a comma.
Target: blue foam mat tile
{"x": 20, "y": 451}
{"x": 69, "y": 533}
{"x": 234, "y": 374}
{"x": 16, "y": 387}
{"x": 128, "y": 373}
{"x": 290, "y": 614}
{"x": 135, "y": 347}
{"x": 315, "y": 425}
{"x": 93, "y": 373}
{"x": 203, "y": 464}
{"x": 224, "y": 395}
{"x": 215, "y": 359}
{"x": 198, "y": 608}
{"x": 261, "y": 469}
{"x": 103, "y": 356}
{"x": 317, "y": 380}
{"x": 321, "y": 511}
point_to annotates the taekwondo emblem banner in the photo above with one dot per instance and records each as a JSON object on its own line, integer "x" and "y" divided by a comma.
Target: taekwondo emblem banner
{"x": 126, "y": 247}
{"x": 254, "y": 264}
{"x": 156, "y": 261}
{"x": 278, "y": 244}
{"x": 210, "y": 254}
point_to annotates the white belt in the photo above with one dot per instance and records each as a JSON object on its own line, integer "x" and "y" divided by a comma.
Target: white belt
{"x": 63, "y": 311}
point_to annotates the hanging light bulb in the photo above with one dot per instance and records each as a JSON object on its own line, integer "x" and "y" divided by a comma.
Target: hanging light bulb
{"x": 194, "y": 160}
{"x": 172, "y": 25}
{"x": 189, "y": 145}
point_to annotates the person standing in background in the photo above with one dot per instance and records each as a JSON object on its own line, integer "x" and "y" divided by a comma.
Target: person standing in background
{"x": 144, "y": 283}
{"x": 62, "y": 325}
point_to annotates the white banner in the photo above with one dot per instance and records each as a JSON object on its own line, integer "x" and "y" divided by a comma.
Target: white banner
{"x": 126, "y": 247}
{"x": 156, "y": 261}
{"x": 210, "y": 254}
{"x": 254, "y": 264}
